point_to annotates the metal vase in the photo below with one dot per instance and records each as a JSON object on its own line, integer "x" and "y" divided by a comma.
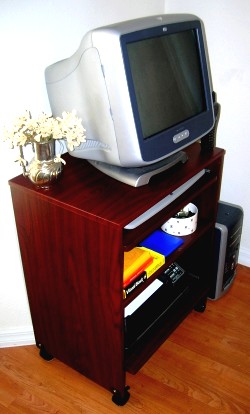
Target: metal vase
{"x": 43, "y": 170}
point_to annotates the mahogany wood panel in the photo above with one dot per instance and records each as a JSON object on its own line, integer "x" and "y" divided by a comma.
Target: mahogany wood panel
{"x": 72, "y": 271}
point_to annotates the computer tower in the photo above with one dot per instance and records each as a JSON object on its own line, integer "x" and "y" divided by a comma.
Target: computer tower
{"x": 228, "y": 231}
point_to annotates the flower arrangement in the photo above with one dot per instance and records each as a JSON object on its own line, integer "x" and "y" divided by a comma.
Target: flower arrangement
{"x": 27, "y": 130}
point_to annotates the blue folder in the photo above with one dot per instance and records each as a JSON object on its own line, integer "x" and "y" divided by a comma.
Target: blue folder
{"x": 161, "y": 242}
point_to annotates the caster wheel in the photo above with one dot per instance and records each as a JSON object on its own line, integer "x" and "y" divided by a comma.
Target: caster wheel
{"x": 44, "y": 354}
{"x": 201, "y": 306}
{"x": 118, "y": 400}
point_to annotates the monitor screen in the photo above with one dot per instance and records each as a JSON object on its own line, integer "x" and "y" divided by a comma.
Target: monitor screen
{"x": 167, "y": 80}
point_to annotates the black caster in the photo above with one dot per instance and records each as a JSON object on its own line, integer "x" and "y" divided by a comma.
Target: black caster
{"x": 43, "y": 353}
{"x": 201, "y": 306}
{"x": 118, "y": 399}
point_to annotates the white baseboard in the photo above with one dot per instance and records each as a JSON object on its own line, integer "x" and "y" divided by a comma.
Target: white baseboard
{"x": 244, "y": 257}
{"x": 17, "y": 337}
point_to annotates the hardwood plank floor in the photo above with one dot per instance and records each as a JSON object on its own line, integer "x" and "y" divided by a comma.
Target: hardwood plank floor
{"x": 202, "y": 368}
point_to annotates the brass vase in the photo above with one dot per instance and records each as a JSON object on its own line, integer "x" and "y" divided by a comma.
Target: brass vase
{"x": 44, "y": 169}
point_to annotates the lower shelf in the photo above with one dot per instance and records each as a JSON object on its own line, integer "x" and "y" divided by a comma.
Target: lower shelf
{"x": 157, "y": 319}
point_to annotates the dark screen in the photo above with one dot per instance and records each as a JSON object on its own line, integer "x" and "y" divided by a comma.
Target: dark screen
{"x": 167, "y": 80}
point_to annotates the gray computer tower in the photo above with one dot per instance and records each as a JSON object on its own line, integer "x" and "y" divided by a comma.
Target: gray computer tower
{"x": 228, "y": 231}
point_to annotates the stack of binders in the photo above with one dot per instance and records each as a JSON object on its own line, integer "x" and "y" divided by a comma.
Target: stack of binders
{"x": 139, "y": 264}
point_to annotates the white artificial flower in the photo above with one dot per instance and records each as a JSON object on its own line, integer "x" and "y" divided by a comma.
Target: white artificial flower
{"x": 26, "y": 129}
{"x": 59, "y": 159}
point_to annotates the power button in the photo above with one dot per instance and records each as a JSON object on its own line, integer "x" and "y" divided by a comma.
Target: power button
{"x": 182, "y": 135}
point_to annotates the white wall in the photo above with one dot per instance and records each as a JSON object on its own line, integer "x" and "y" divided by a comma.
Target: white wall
{"x": 227, "y": 25}
{"x": 34, "y": 34}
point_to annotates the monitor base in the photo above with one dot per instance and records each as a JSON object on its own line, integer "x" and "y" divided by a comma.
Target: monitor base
{"x": 138, "y": 176}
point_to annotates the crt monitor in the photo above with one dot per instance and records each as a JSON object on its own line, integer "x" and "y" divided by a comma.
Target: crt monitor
{"x": 142, "y": 88}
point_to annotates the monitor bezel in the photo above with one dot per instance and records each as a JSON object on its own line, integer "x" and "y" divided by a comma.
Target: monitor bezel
{"x": 161, "y": 144}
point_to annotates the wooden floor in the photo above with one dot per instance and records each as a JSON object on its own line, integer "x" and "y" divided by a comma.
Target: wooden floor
{"x": 203, "y": 367}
